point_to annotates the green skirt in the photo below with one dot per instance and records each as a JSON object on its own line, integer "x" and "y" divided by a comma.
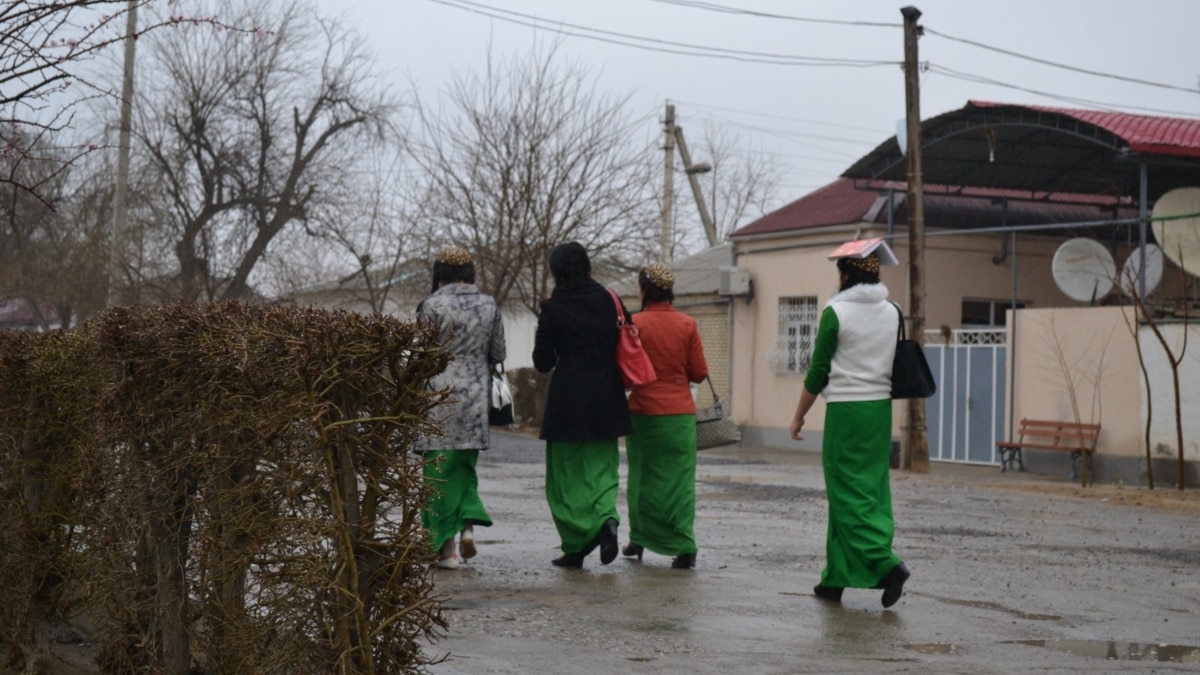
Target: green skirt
{"x": 661, "y": 490}
{"x": 854, "y": 455}
{"x": 454, "y": 501}
{"x": 581, "y": 489}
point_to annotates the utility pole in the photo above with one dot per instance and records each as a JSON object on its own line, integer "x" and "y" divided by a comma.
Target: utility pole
{"x": 710, "y": 228}
{"x": 915, "y": 451}
{"x": 668, "y": 184}
{"x": 120, "y": 208}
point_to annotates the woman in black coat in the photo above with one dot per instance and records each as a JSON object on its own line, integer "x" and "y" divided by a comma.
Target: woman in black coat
{"x": 586, "y": 410}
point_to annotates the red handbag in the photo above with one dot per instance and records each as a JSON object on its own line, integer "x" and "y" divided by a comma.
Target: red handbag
{"x": 634, "y": 364}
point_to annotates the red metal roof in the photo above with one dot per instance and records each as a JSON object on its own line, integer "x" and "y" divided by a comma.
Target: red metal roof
{"x": 841, "y": 203}
{"x": 835, "y": 204}
{"x": 1173, "y": 136}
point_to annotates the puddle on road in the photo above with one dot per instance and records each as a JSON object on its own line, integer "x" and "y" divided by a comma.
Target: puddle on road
{"x": 998, "y": 608}
{"x": 932, "y": 648}
{"x": 1112, "y": 650}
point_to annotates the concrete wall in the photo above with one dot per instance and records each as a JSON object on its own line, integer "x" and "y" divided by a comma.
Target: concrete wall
{"x": 1160, "y": 403}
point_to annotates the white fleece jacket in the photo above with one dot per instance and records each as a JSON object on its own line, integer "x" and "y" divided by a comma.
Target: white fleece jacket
{"x": 861, "y": 369}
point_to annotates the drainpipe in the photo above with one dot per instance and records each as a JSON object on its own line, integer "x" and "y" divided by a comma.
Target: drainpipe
{"x": 999, "y": 259}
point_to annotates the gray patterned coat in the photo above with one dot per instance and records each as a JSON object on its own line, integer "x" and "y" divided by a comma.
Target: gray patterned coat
{"x": 472, "y": 331}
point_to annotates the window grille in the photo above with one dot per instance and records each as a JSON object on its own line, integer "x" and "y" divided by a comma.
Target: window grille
{"x": 798, "y": 318}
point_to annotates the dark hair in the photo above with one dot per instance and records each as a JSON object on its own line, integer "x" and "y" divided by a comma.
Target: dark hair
{"x": 854, "y": 275}
{"x": 444, "y": 273}
{"x": 569, "y": 261}
{"x": 653, "y": 293}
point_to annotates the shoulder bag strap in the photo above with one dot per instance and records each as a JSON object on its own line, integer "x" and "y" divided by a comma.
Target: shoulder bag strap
{"x": 901, "y": 334}
{"x": 620, "y": 309}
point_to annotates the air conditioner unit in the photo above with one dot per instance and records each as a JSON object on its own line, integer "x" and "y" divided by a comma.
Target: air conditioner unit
{"x": 733, "y": 281}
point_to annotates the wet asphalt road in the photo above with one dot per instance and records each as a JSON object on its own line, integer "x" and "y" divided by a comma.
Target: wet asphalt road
{"x": 1003, "y": 581}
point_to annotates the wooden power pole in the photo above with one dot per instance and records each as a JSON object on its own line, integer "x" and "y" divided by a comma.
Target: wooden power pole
{"x": 116, "y": 251}
{"x": 915, "y": 450}
{"x": 668, "y": 196}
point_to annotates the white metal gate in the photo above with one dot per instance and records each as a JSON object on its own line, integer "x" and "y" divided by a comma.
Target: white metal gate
{"x": 966, "y": 416}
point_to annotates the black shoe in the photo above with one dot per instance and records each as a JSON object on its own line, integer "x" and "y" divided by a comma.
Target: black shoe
{"x": 684, "y": 561}
{"x": 573, "y": 560}
{"x": 893, "y": 584}
{"x": 633, "y": 551}
{"x": 828, "y": 593}
{"x": 608, "y": 542}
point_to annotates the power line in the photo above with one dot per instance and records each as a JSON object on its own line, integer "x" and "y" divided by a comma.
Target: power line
{"x": 777, "y": 117}
{"x": 714, "y": 7}
{"x": 1111, "y": 107}
{"x": 1055, "y": 64}
{"x": 655, "y": 44}
{"x": 698, "y": 4}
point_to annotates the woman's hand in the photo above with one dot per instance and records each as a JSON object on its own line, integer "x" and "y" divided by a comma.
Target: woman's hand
{"x": 795, "y": 427}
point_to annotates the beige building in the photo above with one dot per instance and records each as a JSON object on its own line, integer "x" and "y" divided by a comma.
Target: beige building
{"x": 972, "y": 282}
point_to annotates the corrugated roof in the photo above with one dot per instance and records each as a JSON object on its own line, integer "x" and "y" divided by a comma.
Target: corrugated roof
{"x": 1172, "y": 136}
{"x": 1043, "y": 150}
{"x": 841, "y": 203}
{"x": 838, "y": 203}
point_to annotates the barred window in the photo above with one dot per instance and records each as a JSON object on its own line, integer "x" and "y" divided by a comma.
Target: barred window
{"x": 798, "y": 317}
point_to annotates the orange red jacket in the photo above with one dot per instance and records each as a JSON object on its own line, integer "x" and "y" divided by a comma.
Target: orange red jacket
{"x": 672, "y": 341}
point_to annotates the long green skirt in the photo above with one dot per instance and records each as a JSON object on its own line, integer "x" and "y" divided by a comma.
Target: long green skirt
{"x": 454, "y": 502}
{"x": 662, "y": 483}
{"x": 854, "y": 455}
{"x": 581, "y": 489}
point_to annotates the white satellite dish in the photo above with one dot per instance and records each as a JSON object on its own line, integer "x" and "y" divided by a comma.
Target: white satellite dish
{"x": 1133, "y": 267}
{"x": 1176, "y": 226}
{"x": 1083, "y": 269}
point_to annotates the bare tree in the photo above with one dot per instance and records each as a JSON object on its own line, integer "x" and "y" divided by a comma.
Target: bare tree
{"x": 527, "y": 155}
{"x": 248, "y": 136}
{"x": 42, "y": 48}
{"x": 54, "y": 221}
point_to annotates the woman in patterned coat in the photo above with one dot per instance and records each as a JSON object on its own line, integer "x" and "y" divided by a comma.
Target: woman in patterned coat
{"x": 470, "y": 327}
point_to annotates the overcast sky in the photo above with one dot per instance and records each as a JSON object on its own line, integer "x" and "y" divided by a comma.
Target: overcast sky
{"x": 816, "y": 119}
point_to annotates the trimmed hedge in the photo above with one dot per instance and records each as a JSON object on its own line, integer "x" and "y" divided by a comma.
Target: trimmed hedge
{"x": 219, "y": 489}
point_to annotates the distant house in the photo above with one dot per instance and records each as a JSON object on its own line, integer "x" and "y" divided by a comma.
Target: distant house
{"x": 19, "y": 315}
{"x": 398, "y": 292}
{"x": 1004, "y": 187}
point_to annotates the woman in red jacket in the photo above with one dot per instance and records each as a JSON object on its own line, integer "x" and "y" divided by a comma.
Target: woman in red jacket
{"x": 661, "y": 491}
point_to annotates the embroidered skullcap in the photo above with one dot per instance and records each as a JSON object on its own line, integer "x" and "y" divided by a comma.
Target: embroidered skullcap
{"x": 453, "y": 255}
{"x": 660, "y": 275}
{"x": 868, "y": 264}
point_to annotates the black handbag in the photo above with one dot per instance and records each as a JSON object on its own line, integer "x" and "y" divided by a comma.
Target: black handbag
{"x": 911, "y": 377}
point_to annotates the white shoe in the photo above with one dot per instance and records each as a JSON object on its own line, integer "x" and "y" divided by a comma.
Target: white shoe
{"x": 466, "y": 545}
{"x": 450, "y": 563}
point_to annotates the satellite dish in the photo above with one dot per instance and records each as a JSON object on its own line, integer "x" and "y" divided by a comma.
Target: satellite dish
{"x": 1083, "y": 269}
{"x": 1133, "y": 267}
{"x": 1176, "y": 226}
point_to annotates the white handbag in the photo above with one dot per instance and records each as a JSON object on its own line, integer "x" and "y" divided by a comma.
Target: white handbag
{"x": 500, "y": 401}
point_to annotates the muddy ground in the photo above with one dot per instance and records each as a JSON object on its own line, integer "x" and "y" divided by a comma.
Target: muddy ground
{"x": 1010, "y": 573}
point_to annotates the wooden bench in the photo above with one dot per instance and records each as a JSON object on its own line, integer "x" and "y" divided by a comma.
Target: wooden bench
{"x": 1075, "y": 438}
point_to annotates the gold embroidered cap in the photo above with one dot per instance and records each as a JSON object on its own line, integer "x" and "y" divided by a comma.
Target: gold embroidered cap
{"x": 660, "y": 275}
{"x": 453, "y": 255}
{"x": 868, "y": 264}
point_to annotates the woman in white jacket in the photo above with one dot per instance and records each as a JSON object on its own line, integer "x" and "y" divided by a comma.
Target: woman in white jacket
{"x": 852, "y": 368}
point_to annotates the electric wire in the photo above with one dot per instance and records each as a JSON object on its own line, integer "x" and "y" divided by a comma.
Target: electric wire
{"x": 714, "y": 7}
{"x": 1055, "y": 64}
{"x": 655, "y": 44}
{"x": 1108, "y": 107}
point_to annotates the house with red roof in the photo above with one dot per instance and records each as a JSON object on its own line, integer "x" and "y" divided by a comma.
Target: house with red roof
{"x": 1005, "y": 187}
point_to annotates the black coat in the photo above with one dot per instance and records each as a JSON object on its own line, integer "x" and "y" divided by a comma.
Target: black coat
{"x": 577, "y": 338}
